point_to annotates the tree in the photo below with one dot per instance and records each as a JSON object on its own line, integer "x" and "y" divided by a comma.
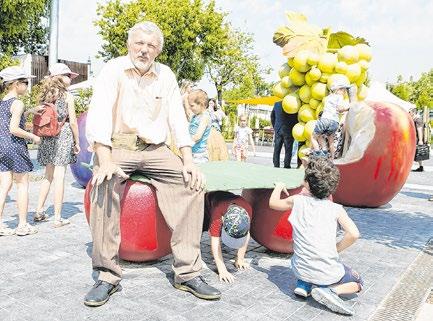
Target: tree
{"x": 194, "y": 32}
{"x": 237, "y": 69}
{"x": 22, "y": 26}
{"x": 418, "y": 92}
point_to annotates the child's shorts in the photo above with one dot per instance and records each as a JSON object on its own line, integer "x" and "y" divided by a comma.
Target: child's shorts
{"x": 351, "y": 275}
{"x": 326, "y": 127}
{"x": 241, "y": 150}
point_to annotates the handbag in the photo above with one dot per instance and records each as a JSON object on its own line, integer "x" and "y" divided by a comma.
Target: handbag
{"x": 422, "y": 152}
{"x": 46, "y": 123}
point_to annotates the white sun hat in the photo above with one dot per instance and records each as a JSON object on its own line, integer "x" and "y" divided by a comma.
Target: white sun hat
{"x": 14, "y": 73}
{"x": 62, "y": 69}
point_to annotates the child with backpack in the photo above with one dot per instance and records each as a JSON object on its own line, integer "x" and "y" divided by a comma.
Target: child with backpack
{"x": 15, "y": 163}
{"x": 58, "y": 151}
{"x": 314, "y": 220}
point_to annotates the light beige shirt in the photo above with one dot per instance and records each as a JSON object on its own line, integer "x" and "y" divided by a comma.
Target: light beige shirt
{"x": 123, "y": 101}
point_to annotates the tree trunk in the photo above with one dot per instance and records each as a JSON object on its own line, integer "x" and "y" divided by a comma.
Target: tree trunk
{"x": 219, "y": 94}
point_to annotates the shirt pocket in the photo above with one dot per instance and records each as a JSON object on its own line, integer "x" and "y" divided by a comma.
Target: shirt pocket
{"x": 157, "y": 107}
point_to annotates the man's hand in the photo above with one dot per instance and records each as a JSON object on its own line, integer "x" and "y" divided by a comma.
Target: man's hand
{"x": 241, "y": 264}
{"x": 193, "y": 176}
{"x": 106, "y": 171}
{"x": 226, "y": 276}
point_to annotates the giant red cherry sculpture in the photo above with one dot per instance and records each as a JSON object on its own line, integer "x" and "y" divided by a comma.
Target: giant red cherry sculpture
{"x": 379, "y": 157}
{"x": 144, "y": 234}
{"x": 82, "y": 174}
{"x": 269, "y": 228}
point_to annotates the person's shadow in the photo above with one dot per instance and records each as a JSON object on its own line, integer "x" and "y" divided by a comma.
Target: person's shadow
{"x": 285, "y": 280}
{"x": 69, "y": 209}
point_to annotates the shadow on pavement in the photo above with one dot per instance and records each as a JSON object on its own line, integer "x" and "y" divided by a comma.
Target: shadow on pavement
{"x": 416, "y": 194}
{"x": 393, "y": 228}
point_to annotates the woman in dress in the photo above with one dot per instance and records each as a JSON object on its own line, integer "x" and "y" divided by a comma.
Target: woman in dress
{"x": 55, "y": 153}
{"x": 15, "y": 163}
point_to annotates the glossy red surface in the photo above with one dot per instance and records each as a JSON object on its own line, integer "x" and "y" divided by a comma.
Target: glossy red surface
{"x": 270, "y": 228}
{"x": 380, "y": 174}
{"x": 144, "y": 234}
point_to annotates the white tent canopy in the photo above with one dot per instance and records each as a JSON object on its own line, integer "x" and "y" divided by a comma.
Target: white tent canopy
{"x": 81, "y": 85}
{"x": 378, "y": 92}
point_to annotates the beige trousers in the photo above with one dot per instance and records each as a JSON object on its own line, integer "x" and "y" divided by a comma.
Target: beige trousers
{"x": 181, "y": 207}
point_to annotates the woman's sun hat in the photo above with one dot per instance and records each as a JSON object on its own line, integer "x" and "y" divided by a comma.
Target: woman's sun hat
{"x": 62, "y": 69}
{"x": 14, "y": 73}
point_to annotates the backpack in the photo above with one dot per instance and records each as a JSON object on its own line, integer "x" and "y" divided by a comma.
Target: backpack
{"x": 46, "y": 124}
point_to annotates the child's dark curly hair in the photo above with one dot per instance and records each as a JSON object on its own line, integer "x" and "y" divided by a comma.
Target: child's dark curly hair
{"x": 322, "y": 177}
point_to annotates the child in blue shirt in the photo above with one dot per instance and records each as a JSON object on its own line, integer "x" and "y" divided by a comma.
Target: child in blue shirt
{"x": 200, "y": 125}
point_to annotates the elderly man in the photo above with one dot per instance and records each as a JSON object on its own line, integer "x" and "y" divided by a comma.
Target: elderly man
{"x": 135, "y": 102}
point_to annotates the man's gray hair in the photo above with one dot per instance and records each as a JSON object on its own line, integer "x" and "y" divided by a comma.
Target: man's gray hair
{"x": 149, "y": 28}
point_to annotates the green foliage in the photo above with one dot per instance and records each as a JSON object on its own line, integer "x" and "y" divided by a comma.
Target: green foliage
{"x": 194, "y": 31}
{"x": 237, "y": 71}
{"x": 82, "y": 101}
{"x": 22, "y": 26}
{"x": 228, "y": 132}
{"x": 299, "y": 35}
{"x": 419, "y": 92}
{"x": 7, "y": 61}
{"x": 264, "y": 123}
{"x": 340, "y": 39}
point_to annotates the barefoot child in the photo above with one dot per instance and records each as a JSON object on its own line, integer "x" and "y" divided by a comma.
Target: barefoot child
{"x": 314, "y": 219}
{"x": 15, "y": 163}
{"x": 243, "y": 136}
{"x": 200, "y": 125}
{"x": 229, "y": 216}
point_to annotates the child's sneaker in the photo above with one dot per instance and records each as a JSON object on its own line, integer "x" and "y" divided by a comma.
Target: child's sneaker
{"x": 331, "y": 300}
{"x": 303, "y": 288}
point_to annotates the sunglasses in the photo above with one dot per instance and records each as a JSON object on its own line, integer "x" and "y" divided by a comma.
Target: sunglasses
{"x": 25, "y": 82}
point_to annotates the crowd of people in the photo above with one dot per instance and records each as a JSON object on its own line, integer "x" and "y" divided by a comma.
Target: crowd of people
{"x": 136, "y": 105}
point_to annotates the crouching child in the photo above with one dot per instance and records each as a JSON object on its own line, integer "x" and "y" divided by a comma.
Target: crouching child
{"x": 229, "y": 218}
{"x": 314, "y": 219}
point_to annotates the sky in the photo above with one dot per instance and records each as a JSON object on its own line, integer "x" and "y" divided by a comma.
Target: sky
{"x": 400, "y": 32}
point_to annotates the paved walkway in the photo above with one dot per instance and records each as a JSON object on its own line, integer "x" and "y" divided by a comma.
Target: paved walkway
{"x": 45, "y": 276}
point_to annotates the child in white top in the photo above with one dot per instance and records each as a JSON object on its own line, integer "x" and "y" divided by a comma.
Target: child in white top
{"x": 243, "y": 136}
{"x": 314, "y": 220}
{"x": 328, "y": 123}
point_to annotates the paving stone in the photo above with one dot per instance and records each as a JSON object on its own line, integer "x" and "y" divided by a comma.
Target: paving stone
{"x": 45, "y": 276}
